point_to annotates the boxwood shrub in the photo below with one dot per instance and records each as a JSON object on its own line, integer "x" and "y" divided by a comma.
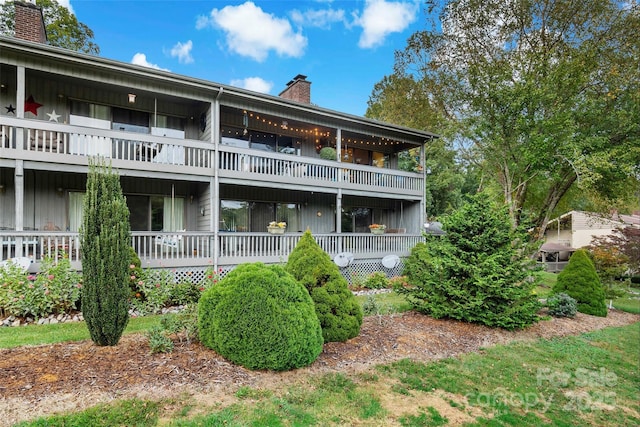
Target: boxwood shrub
{"x": 260, "y": 317}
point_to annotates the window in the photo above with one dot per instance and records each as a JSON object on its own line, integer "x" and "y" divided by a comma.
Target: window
{"x": 87, "y": 109}
{"x": 288, "y": 212}
{"x": 234, "y": 215}
{"x": 169, "y": 122}
{"x": 76, "y": 201}
{"x": 130, "y": 120}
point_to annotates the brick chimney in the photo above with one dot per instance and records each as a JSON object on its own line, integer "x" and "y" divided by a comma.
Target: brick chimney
{"x": 29, "y": 23}
{"x": 298, "y": 89}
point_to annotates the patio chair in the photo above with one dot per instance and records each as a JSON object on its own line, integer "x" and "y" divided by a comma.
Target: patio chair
{"x": 170, "y": 242}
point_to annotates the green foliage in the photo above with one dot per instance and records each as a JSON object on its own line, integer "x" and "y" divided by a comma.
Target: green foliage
{"x": 184, "y": 325}
{"x": 56, "y": 289}
{"x": 544, "y": 99}
{"x": 562, "y": 305}
{"x": 211, "y": 278}
{"x": 261, "y": 318}
{"x": 63, "y": 28}
{"x": 184, "y": 292}
{"x": 135, "y": 271}
{"x": 105, "y": 238}
{"x": 580, "y": 280}
{"x": 154, "y": 291}
{"x": 477, "y": 272}
{"x": 159, "y": 340}
{"x": 328, "y": 153}
{"x": 339, "y": 313}
{"x": 377, "y": 280}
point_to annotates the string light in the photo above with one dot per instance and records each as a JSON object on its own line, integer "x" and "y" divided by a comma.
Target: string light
{"x": 370, "y": 140}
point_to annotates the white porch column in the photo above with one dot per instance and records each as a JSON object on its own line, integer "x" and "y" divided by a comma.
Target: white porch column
{"x": 214, "y": 194}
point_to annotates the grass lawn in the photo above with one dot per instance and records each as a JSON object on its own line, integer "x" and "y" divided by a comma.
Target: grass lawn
{"x": 591, "y": 379}
{"x": 63, "y": 332}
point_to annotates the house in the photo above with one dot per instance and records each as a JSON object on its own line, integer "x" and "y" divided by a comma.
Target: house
{"x": 205, "y": 167}
{"x": 576, "y": 229}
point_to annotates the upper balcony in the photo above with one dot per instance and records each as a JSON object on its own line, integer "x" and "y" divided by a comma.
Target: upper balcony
{"x": 37, "y": 142}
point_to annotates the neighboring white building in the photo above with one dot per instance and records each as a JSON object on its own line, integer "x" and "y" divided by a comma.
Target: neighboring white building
{"x": 576, "y": 229}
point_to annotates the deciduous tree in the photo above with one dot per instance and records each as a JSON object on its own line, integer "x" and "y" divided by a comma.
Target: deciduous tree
{"x": 63, "y": 28}
{"x": 542, "y": 93}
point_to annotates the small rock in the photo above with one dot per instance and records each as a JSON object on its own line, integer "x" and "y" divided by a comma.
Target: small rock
{"x": 60, "y": 317}
{"x": 16, "y": 323}
{"x": 53, "y": 321}
{"x": 43, "y": 321}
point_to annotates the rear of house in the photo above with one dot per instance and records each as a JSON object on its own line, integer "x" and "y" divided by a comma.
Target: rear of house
{"x": 205, "y": 167}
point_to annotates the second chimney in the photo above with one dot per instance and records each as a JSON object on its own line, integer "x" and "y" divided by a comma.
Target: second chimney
{"x": 29, "y": 22}
{"x": 298, "y": 89}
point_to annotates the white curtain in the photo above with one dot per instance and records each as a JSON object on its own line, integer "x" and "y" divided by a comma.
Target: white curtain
{"x": 173, "y": 214}
{"x": 75, "y": 210}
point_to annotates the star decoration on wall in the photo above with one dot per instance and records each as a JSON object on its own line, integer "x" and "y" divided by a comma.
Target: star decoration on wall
{"x": 53, "y": 117}
{"x": 31, "y": 106}
{"x": 11, "y": 109}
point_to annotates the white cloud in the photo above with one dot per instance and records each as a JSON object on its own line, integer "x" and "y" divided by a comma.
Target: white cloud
{"x": 141, "y": 59}
{"x": 182, "y": 51}
{"x": 252, "y": 32}
{"x": 256, "y": 84}
{"x": 381, "y": 18}
{"x": 318, "y": 18}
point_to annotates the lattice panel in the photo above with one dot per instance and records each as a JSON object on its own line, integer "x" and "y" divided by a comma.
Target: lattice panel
{"x": 196, "y": 274}
{"x": 358, "y": 269}
{"x": 364, "y": 267}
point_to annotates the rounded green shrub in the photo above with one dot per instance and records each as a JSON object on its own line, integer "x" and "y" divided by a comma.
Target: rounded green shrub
{"x": 260, "y": 317}
{"x": 337, "y": 309}
{"x": 328, "y": 153}
{"x": 562, "y": 305}
{"x": 580, "y": 281}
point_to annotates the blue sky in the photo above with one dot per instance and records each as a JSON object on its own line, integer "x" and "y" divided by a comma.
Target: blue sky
{"x": 343, "y": 47}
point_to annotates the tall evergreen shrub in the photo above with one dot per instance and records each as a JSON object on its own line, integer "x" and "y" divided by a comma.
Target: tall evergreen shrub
{"x": 580, "y": 281}
{"x": 337, "y": 308}
{"x": 105, "y": 238}
{"x": 476, "y": 272}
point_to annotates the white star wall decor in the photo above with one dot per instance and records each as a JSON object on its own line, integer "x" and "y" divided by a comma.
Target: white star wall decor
{"x": 53, "y": 117}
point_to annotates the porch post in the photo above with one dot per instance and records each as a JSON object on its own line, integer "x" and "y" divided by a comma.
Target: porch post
{"x": 214, "y": 183}
{"x": 339, "y": 218}
{"x": 19, "y": 169}
{"x": 423, "y": 204}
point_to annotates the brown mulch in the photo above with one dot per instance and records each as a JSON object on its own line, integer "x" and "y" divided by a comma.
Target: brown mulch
{"x": 40, "y": 380}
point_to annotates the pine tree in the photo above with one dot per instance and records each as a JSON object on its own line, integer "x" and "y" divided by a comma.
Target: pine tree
{"x": 105, "y": 239}
{"x": 476, "y": 272}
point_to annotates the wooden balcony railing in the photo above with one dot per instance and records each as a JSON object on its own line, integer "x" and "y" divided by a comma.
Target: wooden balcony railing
{"x": 44, "y": 140}
{"x": 177, "y": 249}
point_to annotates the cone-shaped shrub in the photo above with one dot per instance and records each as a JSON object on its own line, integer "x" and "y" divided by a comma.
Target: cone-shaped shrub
{"x": 580, "y": 281}
{"x": 105, "y": 241}
{"x": 337, "y": 308}
{"x": 260, "y": 317}
{"x": 476, "y": 272}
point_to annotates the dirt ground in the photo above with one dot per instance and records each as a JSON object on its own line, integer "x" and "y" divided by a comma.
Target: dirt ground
{"x": 40, "y": 380}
